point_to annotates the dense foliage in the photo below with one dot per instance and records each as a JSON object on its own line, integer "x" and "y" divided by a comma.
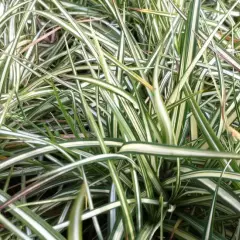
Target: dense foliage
{"x": 119, "y": 119}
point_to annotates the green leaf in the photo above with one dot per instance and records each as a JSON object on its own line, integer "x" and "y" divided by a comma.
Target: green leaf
{"x": 173, "y": 151}
{"x": 75, "y": 222}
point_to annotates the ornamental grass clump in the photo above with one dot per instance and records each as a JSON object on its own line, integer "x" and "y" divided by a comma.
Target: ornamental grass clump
{"x": 119, "y": 119}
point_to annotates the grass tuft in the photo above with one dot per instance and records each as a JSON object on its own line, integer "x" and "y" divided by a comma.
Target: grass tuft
{"x": 119, "y": 119}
